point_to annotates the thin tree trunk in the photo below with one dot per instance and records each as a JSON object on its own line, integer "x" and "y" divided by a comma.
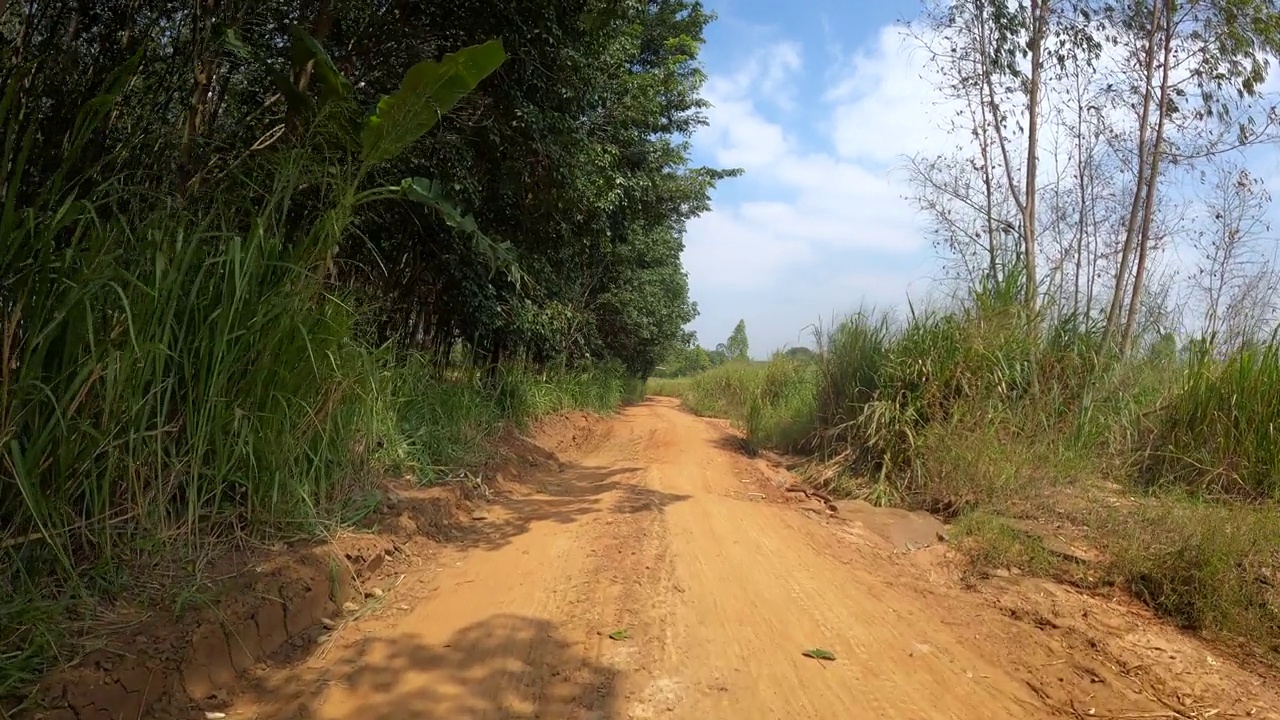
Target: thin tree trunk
{"x": 988, "y": 182}
{"x": 1153, "y": 178}
{"x": 1139, "y": 185}
{"x": 1039, "y": 19}
{"x": 205, "y": 64}
{"x": 1083, "y": 166}
{"x": 985, "y": 40}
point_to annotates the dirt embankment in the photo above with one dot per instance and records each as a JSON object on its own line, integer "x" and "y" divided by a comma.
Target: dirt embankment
{"x": 275, "y": 607}
{"x": 641, "y": 566}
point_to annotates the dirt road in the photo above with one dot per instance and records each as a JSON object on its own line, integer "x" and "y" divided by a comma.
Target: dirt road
{"x": 659, "y": 532}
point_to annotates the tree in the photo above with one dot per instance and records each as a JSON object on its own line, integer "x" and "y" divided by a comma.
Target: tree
{"x": 800, "y": 352}
{"x": 737, "y": 347}
{"x": 1123, "y": 101}
{"x": 1235, "y": 275}
{"x": 587, "y": 193}
{"x": 1219, "y": 49}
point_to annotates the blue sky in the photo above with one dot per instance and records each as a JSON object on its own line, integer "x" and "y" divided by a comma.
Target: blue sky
{"x": 818, "y": 101}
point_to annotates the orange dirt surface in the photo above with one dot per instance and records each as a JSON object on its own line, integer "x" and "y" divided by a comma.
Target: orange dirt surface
{"x": 643, "y": 567}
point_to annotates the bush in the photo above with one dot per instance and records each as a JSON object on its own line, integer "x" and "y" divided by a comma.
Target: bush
{"x": 1220, "y": 433}
{"x": 169, "y": 375}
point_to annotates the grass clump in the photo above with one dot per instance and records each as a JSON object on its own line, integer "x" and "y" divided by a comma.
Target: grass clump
{"x": 1208, "y": 566}
{"x": 442, "y": 424}
{"x": 773, "y": 403}
{"x": 1220, "y": 432}
{"x": 991, "y": 543}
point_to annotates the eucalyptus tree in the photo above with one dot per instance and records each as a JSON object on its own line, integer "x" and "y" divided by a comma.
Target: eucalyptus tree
{"x": 1155, "y": 87}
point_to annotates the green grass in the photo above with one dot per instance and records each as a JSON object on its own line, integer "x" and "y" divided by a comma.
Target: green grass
{"x": 1211, "y": 567}
{"x": 773, "y": 403}
{"x": 433, "y": 426}
{"x": 991, "y": 542}
{"x": 1220, "y": 432}
{"x": 173, "y": 378}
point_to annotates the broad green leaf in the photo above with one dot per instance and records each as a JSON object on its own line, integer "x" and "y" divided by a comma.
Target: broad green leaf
{"x": 428, "y": 91}
{"x": 231, "y": 39}
{"x": 622, "y": 634}
{"x": 819, "y": 654}
{"x": 432, "y": 195}
{"x": 333, "y": 86}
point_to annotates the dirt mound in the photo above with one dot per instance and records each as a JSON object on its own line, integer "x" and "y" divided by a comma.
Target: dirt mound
{"x": 575, "y": 432}
{"x": 156, "y": 664}
{"x": 904, "y": 530}
{"x": 275, "y": 606}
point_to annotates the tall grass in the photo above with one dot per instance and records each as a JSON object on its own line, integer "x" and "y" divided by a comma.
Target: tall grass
{"x": 772, "y": 403}
{"x": 434, "y": 426}
{"x": 1220, "y": 432}
{"x": 173, "y": 375}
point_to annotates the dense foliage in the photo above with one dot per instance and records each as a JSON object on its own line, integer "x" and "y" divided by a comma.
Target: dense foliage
{"x": 686, "y": 357}
{"x": 573, "y": 153}
{"x": 253, "y": 253}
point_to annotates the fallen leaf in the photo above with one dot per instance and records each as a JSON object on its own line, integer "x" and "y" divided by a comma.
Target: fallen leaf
{"x": 819, "y": 654}
{"x": 619, "y": 634}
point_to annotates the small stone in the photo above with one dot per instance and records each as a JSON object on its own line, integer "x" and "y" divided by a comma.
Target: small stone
{"x": 479, "y": 515}
{"x": 350, "y": 607}
{"x": 373, "y": 564}
{"x": 376, "y": 592}
{"x": 328, "y": 622}
{"x": 210, "y": 715}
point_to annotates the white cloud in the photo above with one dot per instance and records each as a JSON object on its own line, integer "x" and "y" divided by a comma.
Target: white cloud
{"x": 805, "y": 195}
{"x": 886, "y": 104}
{"x": 819, "y": 224}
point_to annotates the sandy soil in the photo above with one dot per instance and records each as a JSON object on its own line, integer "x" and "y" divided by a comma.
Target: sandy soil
{"x": 652, "y": 571}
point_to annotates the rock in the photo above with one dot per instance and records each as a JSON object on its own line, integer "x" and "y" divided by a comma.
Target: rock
{"x": 372, "y": 564}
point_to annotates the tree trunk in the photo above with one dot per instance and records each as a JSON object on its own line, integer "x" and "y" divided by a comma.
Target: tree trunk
{"x": 1039, "y": 21}
{"x": 205, "y": 57}
{"x": 1153, "y": 179}
{"x": 1139, "y": 184}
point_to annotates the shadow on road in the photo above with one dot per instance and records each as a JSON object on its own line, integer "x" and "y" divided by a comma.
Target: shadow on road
{"x": 563, "y": 496}
{"x": 505, "y": 667}
{"x": 735, "y": 444}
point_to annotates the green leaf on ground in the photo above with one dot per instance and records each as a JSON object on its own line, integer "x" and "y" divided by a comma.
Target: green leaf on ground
{"x": 820, "y": 654}
{"x": 622, "y": 634}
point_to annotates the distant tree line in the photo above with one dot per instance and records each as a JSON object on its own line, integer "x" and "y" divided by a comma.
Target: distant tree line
{"x": 690, "y": 358}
